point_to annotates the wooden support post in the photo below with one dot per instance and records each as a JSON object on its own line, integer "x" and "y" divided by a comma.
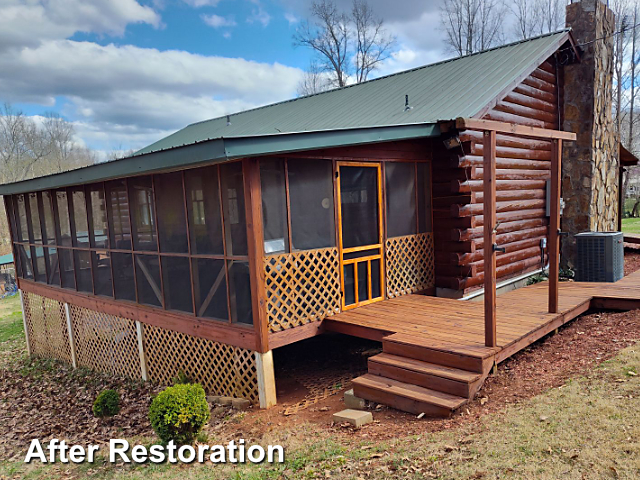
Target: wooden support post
{"x": 24, "y": 323}
{"x": 489, "y": 188}
{"x": 266, "y": 379}
{"x": 255, "y": 241}
{"x": 72, "y": 343}
{"x": 621, "y": 192}
{"x": 143, "y": 358}
{"x": 554, "y": 224}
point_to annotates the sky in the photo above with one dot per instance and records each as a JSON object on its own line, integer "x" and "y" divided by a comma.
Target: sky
{"x": 129, "y": 72}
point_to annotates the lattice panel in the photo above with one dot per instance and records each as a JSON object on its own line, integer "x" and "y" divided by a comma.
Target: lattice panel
{"x": 47, "y": 327}
{"x": 221, "y": 369}
{"x": 105, "y": 342}
{"x": 410, "y": 264}
{"x": 302, "y": 287}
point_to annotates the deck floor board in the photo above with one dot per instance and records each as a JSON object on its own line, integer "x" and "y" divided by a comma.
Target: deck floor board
{"x": 522, "y": 315}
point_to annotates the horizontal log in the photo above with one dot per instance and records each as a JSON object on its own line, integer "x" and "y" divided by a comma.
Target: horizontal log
{"x": 547, "y": 66}
{"x": 444, "y": 244}
{"x": 501, "y": 185}
{"x": 544, "y": 75}
{"x": 512, "y": 128}
{"x": 504, "y": 227}
{"x": 526, "y": 112}
{"x": 447, "y": 201}
{"x": 509, "y": 174}
{"x": 531, "y": 102}
{"x": 504, "y": 117}
{"x": 503, "y": 259}
{"x": 478, "y": 220}
{"x": 457, "y": 283}
{"x": 503, "y": 163}
{"x": 453, "y": 224}
{"x": 511, "y": 237}
{"x": 478, "y": 197}
{"x": 539, "y": 84}
{"x": 524, "y": 152}
{"x": 441, "y": 189}
{"x": 449, "y": 270}
{"x": 478, "y": 255}
{"x": 532, "y": 92}
{"x": 506, "y": 140}
{"x": 508, "y": 206}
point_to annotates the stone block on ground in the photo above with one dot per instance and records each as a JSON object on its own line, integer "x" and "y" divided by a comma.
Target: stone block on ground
{"x": 351, "y": 401}
{"x": 241, "y": 403}
{"x": 357, "y": 418}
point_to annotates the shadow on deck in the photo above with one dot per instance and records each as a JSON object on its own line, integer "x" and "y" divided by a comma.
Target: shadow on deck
{"x": 434, "y": 359}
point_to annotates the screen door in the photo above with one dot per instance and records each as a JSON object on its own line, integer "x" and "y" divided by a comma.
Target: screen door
{"x": 360, "y": 233}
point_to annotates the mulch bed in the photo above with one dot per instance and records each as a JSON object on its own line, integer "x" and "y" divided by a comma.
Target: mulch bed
{"x": 54, "y": 401}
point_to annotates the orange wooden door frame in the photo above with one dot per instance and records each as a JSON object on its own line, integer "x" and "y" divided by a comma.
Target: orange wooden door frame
{"x": 369, "y": 258}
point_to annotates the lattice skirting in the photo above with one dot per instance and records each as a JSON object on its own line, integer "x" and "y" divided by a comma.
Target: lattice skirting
{"x": 221, "y": 369}
{"x": 111, "y": 344}
{"x": 46, "y": 323}
{"x": 302, "y": 287}
{"x": 410, "y": 264}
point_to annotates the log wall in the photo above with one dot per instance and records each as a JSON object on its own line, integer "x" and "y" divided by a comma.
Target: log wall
{"x": 522, "y": 168}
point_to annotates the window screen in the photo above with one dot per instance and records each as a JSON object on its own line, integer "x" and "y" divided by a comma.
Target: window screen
{"x": 101, "y": 265}
{"x": 233, "y": 204}
{"x": 401, "y": 199}
{"x": 21, "y": 219}
{"x": 98, "y": 216}
{"x": 67, "y": 277}
{"x": 123, "y": 276}
{"x": 82, "y": 262}
{"x": 240, "y": 292}
{"x": 40, "y": 264}
{"x": 63, "y": 225}
{"x": 210, "y": 288}
{"x": 359, "y": 198}
{"x": 274, "y": 206}
{"x": 54, "y": 271}
{"x": 49, "y": 223}
{"x": 24, "y": 253}
{"x": 311, "y": 203}
{"x": 424, "y": 198}
{"x": 80, "y": 221}
{"x": 148, "y": 280}
{"x": 177, "y": 283}
{"x": 143, "y": 214}
{"x": 205, "y": 215}
{"x": 172, "y": 222}
{"x": 118, "y": 215}
{"x": 35, "y": 218}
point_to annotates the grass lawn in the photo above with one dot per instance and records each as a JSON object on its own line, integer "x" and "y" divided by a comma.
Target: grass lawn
{"x": 631, "y": 225}
{"x": 10, "y": 320}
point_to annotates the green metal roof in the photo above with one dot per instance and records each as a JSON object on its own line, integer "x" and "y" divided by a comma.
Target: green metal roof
{"x": 6, "y": 259}
{"x": 368, "y": 112}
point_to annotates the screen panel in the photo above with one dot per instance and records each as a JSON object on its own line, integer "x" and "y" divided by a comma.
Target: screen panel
{"x": 172, "y": 221}
{"x": 274, "y": 206}
{"x": 204, "y": 212}
{"x": 401, "y": 198}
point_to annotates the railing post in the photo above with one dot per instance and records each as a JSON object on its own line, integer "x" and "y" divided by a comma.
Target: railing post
{"x": 24, "y": 323}
{"x": 554, "y": 224}
{"x": 72, "y": 343}
{"x": 266, "y": 379}
{"x": 489, "y": 189}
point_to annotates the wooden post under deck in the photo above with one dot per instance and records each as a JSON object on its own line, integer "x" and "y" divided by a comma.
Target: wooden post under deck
{"x": 554, "y": 224}
{"x": 489, "y": 188}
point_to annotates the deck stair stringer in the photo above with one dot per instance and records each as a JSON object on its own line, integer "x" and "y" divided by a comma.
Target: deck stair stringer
{"x": 419, "y": 376}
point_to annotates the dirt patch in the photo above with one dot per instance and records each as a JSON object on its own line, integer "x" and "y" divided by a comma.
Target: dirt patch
{"x": 631, "y": 259}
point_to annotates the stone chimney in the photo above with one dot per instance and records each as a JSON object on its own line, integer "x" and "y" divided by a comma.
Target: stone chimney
{"x": 590, "y": 165}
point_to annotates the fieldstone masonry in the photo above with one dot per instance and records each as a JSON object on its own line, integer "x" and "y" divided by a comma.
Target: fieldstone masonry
{"x": 590, "y": 165}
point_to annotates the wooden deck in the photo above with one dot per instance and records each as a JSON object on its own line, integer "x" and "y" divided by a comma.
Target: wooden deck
{"x": 448, "y": 333}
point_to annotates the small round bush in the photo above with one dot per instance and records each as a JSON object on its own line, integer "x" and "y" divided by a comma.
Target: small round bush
{"x": 107, "y": 404}
{"x": 178, "y": 413}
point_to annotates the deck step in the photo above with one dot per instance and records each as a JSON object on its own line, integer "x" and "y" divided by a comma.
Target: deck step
{"x": 454, "y": 381}
{"x": 478, "y": 359}
{"x": 405, "y": 396}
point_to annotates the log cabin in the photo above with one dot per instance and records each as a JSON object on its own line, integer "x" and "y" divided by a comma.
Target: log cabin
{"x": 235, "y": 236}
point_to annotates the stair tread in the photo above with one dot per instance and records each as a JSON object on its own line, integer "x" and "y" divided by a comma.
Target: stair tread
{"x": 476, "y": 351}
{"x": 408, "y": 390}
{"x": 426, "y": 367}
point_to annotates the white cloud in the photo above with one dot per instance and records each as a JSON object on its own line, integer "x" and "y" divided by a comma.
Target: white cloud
{"x": 259, "y": 15}
{"x": 291, "y": 18}
{"x": 216, "y": 21}
{"x": 202, "y": 3}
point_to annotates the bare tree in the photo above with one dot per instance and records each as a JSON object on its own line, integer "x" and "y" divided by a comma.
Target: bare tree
{"x": 315, "y": 80}
{"x": 550, "y": 15}
{"x": 526, "y": 17}
{"x": 348, "y": 46}
{"x": 373, "y": 43}
{"x": 472, "y": 25}
{"x": 329, "y": 36}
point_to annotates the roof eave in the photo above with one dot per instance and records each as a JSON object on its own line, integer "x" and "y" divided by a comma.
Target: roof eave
{"x": 220, "y": 150}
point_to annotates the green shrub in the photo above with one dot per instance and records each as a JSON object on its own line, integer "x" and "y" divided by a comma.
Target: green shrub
{"x": 178, "y": 413}
{"x": 107, "y": 404}
{"x": 181, "y": 378}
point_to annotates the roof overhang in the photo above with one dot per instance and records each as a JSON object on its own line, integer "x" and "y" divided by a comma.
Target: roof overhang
{"x": 627, "y": 159}
{"x": 221, "y": 150}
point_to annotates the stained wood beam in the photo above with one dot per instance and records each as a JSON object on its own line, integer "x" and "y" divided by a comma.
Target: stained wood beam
{"x": 554, "y": 225}
{"x": 489, "y": 190}
{"x": 512, "y": 128}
